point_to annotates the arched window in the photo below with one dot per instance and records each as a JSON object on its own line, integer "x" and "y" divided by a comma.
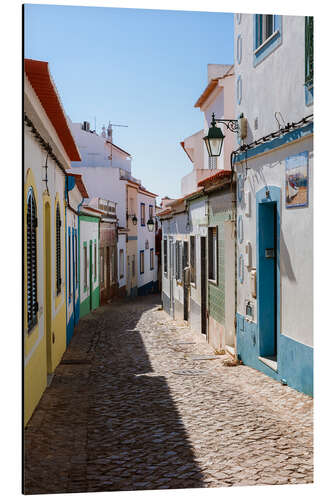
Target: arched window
{"x": 32, "y": 304}
{"x": 58, "y": 250}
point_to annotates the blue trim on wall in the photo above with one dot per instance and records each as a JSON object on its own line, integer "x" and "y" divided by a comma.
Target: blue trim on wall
{"x": 77, "y": 311}
{"x": 267, "y": 47}
{"x": 70, "y": 183}
{"x": 275, "y": 143}
{"x": 294, "y": 360}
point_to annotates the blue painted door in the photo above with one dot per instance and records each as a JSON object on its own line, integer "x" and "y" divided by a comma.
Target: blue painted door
{"x": 267, "y": 288}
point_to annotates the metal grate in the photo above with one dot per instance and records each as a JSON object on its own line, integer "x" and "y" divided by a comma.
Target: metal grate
{"x": 32, "y": 304}
{"x": 58, "y": 250}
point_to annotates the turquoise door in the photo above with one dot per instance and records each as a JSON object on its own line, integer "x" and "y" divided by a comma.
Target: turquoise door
{"x": 267, "y": 286}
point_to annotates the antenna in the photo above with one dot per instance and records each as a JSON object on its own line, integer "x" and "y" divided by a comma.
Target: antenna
{"x": 110, "y": 135}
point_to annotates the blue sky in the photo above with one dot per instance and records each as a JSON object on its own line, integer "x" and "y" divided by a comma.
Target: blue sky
{"x": 141, "y": 68}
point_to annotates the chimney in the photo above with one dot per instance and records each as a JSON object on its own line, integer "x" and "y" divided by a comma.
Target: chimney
{"x": 86, "y": 126}
{"x": 103, "y": 132}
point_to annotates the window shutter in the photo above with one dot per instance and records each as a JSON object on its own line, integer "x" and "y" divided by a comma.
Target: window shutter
{"x": 58, "y": 250}
{"x": 32, "y": 304}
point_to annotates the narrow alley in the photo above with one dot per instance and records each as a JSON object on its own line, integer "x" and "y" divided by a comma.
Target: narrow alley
{"x": 138, "y": 403}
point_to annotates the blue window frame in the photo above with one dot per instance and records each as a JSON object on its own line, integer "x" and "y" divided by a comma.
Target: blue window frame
{"x": 267, "y": 35}
{"x": 142, "y": 261}
{"x": 143, "y": 214}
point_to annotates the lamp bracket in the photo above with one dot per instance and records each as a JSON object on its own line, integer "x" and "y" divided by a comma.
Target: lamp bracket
{"x": 232, "y": 125}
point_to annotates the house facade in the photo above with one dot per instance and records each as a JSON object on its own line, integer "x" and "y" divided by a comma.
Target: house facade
{"x": 147, "y": 259}
{"x": 132, "y": 238}
{"x": 108, "y": 275}
{"x": 198, "y": 229}
{"x": 89, "y": 289}
{"x": 49, "y": 148}
{"x": 75, "y": 195}
{"x": 274, "y": 165}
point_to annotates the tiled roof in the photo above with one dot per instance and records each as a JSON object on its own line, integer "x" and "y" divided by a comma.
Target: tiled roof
{"x": 218, "y": 175}
{"x": 41, "y": 81}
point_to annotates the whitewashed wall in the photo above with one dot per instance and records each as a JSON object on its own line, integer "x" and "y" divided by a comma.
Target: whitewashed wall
{"x": 276, "y": 84}
{"x": 143, "y": 236}
{"x": 296, "y": 243}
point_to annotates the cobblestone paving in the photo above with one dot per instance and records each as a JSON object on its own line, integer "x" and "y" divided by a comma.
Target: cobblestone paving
{"x": 129, "y": 408}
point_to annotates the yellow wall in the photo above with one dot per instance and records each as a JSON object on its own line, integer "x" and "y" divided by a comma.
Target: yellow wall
{"x": 36, "y": 341}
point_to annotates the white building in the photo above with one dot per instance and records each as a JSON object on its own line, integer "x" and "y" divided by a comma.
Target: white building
{"x": 274, "y": 89}
{"x": 147, "y": 259}
{"x": 49, "y": 148}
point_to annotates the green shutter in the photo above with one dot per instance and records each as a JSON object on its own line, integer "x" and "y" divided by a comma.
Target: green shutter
{"x": 309, "y": 51}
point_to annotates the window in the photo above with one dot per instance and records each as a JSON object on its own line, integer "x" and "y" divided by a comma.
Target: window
{"x": 101, "y": 264}
{"x": 267, "y": 35}
{"x": 95, "y": 261}
{"x": 143, "y": 214}
{"x": 193, "y": 260}
{"x": 69, "y": 266}
{"x": 151, "y": 259}
{"x": 32, "y": 304}
{"x": 142, "y": 261}
{"x": 165, "y": 255}
{"x": 178, "y": 261}
{"x": 212, "y": 162}
{"x": 265, "y": 28}
{"x": 85, "y": 266}
{"x": 212, "y": 253}
{"x": 150, "y": 211}
{"x": 121, "y": 263}
{"x": 133, "y": 266}
{"x": 58, "y": 250}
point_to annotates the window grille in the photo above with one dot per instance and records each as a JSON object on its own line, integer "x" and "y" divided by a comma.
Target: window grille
{"x": 309, "y": 51}
{"x": 58, "y": 250}
{"x": 32, "y": 304}
{"x": 85, "y": 264}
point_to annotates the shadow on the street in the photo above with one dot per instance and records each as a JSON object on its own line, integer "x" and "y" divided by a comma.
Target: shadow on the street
{"x": 135, "y": 438}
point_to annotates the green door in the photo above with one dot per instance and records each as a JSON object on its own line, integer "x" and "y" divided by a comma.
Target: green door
{"x": 90, "y": 275}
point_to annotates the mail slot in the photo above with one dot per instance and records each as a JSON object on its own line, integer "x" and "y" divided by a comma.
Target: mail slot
{"x": 269, "y": 253}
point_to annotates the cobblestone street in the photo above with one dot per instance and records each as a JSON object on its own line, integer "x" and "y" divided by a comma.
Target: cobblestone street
{"x": 130, "y": 407}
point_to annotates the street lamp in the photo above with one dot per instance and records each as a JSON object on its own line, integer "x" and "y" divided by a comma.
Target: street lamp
{"x": 150, "y": 224}
{"x": 214, "y": 138}
{"x": 133, "y": 217}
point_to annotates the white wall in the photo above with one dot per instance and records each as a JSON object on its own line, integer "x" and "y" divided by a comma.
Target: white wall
{"x": 105, "y": 183}
{"x": 277, "y": 82}
{"x": 296, "y": 244}
{"x": 95, "y": 152}
{"x": 143, "y": 236}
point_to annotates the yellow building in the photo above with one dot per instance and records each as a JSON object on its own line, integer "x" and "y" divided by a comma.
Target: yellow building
{"x": 49, "y": 149}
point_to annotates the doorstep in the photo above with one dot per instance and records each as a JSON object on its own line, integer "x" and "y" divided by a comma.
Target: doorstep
{"x": 270, "y": 361}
